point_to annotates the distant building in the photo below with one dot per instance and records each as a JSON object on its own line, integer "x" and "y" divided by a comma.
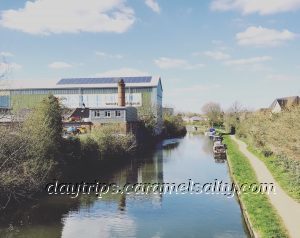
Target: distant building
{"x": 100, "y": 95}
{"x": 281, "y": 104}
{"x": 168, "y": 110}
{"x": 194, "y": 119}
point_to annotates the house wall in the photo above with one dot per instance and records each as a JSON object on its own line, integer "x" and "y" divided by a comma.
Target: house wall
{"x": 131, "y": 114}
{"x": 112, "y": 119}
{"x": 276, "y": 108}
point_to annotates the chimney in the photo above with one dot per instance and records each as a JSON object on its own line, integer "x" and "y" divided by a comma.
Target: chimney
{"x": 121, "y": 93}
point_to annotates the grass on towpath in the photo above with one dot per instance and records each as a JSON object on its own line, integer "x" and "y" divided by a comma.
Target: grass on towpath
{"x": 264, "y": 218}
{"x": 285, "y": 171}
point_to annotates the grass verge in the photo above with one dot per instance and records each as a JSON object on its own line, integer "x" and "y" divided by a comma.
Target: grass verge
{"x": 264, "y": 219}
{"x": 282, "y": 171}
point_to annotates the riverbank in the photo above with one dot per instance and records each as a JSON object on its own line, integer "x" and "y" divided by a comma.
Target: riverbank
{"x": 34, "y": 152}
{"x": 138, "y": 215}
{"x": 263, "y": 217}
{"x": 284, "y": 170}
{"x": 274, "y": 139}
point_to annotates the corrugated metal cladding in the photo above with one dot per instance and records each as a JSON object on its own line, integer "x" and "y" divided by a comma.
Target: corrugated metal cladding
{"x": 145, "y": 79}
{"x": 4, "y": 101}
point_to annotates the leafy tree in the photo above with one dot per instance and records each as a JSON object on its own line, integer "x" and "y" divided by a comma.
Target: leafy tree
{"x": 29, "y": 153}
{"x": 148, "y": 118}
{"x": 43, "y": 127}
{"x": 214, "y": 113}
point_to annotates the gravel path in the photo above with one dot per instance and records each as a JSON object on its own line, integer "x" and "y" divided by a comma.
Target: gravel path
{"x": 287, "y": 208}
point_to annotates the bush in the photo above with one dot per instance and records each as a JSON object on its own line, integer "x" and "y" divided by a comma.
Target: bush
{"x": 273, "y": 133}
{"x": 29, "y": 153}
{"x": 173, "y": 126}
{"x": 110, "y": 141}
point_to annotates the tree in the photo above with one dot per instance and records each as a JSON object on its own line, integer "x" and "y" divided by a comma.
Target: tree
{"x": 232, "y": 117}
{"x": 214, "y": 113}
{"x": 147, "y": 117}
{"x": 29, "y": 154}
{"x": 44, "y": 128}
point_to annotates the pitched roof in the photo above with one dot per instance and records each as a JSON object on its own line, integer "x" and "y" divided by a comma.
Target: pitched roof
{"x": 81, "y": 112}
{"x": 286, "y": 102}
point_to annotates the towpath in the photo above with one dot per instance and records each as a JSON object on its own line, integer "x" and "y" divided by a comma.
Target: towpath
{"x": 287, "y": 208}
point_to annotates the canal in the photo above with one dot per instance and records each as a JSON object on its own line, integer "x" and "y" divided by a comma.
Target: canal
{"x": 141, "y": 215}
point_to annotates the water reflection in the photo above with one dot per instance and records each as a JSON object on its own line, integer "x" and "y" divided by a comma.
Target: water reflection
{"x": 148, "y": 215}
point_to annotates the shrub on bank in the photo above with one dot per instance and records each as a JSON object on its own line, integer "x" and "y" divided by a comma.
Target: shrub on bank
{"x": 276, "y": 134}
{"x": 109, "y": 141}
{"x": 274, "y": 138}
{"x": 173, "y": 126}
{"x": 30, "y": 152}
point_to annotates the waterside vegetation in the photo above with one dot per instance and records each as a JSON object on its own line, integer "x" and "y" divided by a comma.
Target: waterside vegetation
{"x": 262, "y": 215}
{"x": 35, "y": 152}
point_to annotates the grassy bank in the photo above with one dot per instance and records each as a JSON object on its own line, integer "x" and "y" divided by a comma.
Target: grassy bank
{"x": 263, "y": 216}
{"x": 285, "y": 171}
{"x": 274, "y": 138}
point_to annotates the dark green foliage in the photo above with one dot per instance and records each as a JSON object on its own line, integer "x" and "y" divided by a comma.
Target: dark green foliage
{"x": 173, "y": 126}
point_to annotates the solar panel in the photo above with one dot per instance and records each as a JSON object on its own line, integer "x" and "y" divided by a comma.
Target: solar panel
{"x": 145, "y": 79}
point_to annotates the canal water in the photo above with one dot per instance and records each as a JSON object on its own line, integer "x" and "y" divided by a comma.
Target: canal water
{"x": 141, "y": 215}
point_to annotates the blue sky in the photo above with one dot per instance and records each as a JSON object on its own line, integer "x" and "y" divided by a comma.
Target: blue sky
{"x": 218, "y": 50}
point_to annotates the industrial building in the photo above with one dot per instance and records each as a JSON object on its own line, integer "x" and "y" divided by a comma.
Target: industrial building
{"x": 100, "y": 95}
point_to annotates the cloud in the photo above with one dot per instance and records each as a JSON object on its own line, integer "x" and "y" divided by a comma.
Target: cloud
{"x": 259, "y": 36}
{"x": 122, "y": 72}
{"x": 248, "y": 61}
{"x": 263, "y": 7}
{"x": 59, "y": 65}
{"x": 280, "y": 77}
{"x": 172, "y": 63}
{"x": 217, "y": 55}
{"x": 69, "y": 16}
{"x": 6, "y": 54}
{"x": 106, "y": 55}
{"x": 6, "y": 68}
{"x": 153, "y": 5}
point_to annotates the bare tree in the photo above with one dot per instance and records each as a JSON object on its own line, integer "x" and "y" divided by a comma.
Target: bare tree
{"x": 233, "y": 116}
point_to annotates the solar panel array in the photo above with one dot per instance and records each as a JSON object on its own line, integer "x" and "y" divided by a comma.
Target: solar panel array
{"x": 146, "y": 79}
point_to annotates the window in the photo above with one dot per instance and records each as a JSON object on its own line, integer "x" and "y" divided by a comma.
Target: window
{"x": 118, "y": 113}
{"x": 97, "y": 113}
{"x": 107, "y": 114}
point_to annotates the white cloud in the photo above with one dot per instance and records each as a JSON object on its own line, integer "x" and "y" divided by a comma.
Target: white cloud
{"x": 153, "y": 5}
{"x": 123, "y": 72}
{"x": 217, "y": 55}
{"x": 171, "y": 63}
{"x": 248, "y": 61}
{"x": 259, "y": 36}
{"x": 6, "y": 68}
{"x": 280, "y": 77}
{"x": 59, "y": 65}
{"x": 6, "y": 54}
{"x": 106, "y": 55}
{"x": 263, "y": 7}
{"x": 69, "y": 16}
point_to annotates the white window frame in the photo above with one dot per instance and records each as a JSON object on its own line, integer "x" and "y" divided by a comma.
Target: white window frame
{"x": 118, "y": 113}
{"x": 97, "y": 114}
{"x": 107, "y": 112}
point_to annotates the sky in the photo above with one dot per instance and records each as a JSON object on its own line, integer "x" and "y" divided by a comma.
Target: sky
{"x": 209, "y": 50}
